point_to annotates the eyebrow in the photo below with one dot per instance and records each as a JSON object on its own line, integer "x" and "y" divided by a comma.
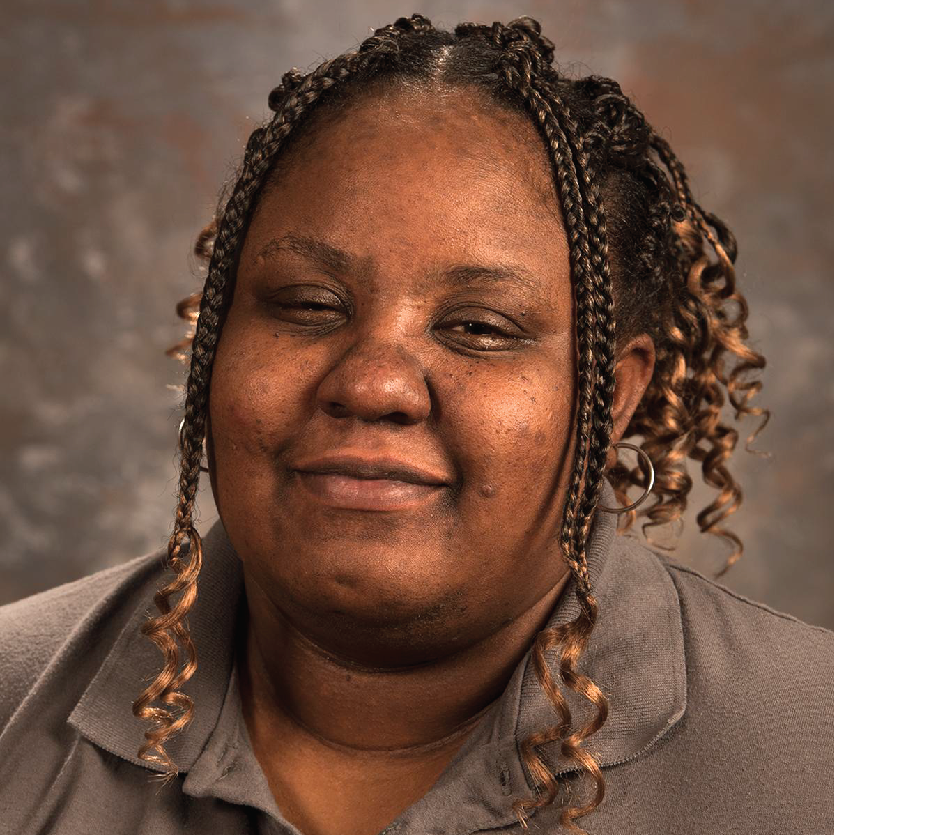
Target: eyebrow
{"x": 311, "y": 249}
{"x": 338, "y": 261}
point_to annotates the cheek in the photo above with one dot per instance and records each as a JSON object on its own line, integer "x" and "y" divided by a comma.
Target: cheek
{"x": 255, "y": 390}
{"x": 517, "y": 431}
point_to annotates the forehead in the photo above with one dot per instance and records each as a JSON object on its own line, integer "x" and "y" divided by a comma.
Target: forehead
{"x": 423, "y": 173}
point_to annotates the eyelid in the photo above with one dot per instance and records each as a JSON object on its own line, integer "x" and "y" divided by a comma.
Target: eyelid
{"x": 300, "y": 287}
{"x": 313, "y": 293}
{"x": 482, "y": 315}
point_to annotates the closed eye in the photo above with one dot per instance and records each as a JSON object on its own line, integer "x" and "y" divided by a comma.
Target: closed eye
{"x": 308, "y": 306}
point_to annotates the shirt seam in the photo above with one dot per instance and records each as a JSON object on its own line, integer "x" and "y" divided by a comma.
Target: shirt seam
{"x": 116, "y": 574}
{"x": 755, "y": 604}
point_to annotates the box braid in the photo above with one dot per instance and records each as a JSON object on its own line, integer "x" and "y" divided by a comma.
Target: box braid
{"x": 645, "y": 258}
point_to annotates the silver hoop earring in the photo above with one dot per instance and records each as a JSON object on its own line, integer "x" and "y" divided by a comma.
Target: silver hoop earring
{"x": 203, "y": 456}
{"x": 649, "y": 471}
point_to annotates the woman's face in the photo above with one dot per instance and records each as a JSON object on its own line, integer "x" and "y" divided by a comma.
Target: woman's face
{"x": 391, "y": 405}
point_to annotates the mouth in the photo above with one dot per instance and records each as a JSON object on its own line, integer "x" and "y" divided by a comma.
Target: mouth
{"x": 357, "y": 483}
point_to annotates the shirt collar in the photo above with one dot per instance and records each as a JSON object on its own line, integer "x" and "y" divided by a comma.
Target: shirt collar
{"x": 104, "y": 713}
{"x": 635, "y": 654}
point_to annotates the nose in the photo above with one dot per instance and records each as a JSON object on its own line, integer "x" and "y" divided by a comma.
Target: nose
{"x": 374, "y": 381}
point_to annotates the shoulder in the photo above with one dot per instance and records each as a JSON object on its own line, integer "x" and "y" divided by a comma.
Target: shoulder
{"x": 35, "y": 630}
{"x": 760, "y": 682}
{"x": 752, "y": 750}
{"x": 741, "y": 637}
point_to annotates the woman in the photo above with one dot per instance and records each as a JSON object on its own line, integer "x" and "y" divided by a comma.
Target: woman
{"x": 446, "y": 287}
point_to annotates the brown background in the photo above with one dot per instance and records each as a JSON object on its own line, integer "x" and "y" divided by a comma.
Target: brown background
{"x": 122, "y": 118}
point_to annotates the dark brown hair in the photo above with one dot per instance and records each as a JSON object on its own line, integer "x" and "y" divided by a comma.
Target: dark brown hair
{"x": 645, "y": 258}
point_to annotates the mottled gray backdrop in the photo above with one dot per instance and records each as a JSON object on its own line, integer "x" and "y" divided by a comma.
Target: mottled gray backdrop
{"x": 121, "y": 118}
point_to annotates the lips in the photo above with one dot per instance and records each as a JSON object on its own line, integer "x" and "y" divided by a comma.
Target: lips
{"x": 374, "y": 484}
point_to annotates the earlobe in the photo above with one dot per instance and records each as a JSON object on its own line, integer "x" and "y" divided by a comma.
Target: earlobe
{"x": 632, "y": 372}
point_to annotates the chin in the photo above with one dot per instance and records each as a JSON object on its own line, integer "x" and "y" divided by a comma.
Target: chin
{"x": 377, "y": 583}
{"x": 374, "y": 618}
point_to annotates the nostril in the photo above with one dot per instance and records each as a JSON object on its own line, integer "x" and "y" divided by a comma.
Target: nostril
{"x": 340, "y": 410}
{"x": 336, "y": 410}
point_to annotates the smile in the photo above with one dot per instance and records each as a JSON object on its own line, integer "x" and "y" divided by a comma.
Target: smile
{"x": 364, "y": 484}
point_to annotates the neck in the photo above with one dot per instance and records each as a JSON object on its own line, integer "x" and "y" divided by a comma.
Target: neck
{"x": 402, "y": 710}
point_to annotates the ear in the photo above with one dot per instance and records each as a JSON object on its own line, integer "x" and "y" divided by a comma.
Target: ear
{"x": 632, "y": 373}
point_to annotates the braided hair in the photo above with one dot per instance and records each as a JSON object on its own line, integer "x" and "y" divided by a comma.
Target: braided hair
{"x": 645, "y": 258}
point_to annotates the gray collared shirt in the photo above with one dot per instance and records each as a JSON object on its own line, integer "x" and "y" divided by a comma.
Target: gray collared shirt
{"x": 721, "y": 713}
